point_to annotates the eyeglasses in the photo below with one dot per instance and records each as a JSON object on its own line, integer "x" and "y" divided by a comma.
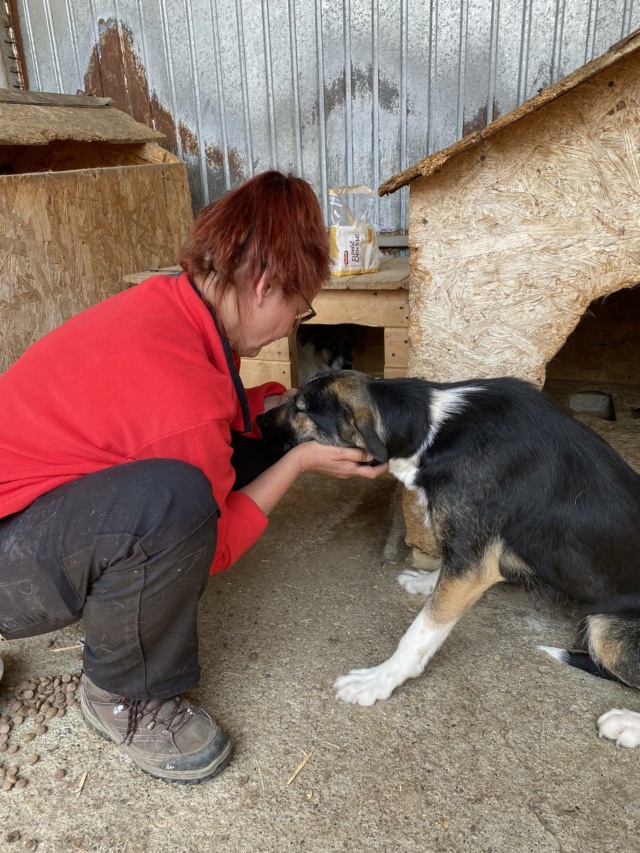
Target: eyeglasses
{"x": 307, "y": 315}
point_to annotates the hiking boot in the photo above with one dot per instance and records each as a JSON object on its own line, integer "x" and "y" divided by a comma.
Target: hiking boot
{"x": 168, "y": 738}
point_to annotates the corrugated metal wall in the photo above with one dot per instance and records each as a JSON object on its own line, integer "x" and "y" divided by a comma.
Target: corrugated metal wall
{"x": 339, "y": 91}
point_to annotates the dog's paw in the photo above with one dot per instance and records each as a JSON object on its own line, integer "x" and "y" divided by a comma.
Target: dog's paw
{"x": 364, "y": 686}
{"x": 622, "y": 726}
{"x": 417, "y": 582}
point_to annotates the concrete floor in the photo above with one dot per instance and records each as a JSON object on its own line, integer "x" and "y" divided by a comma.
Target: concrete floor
{"x": 494, "y": 749}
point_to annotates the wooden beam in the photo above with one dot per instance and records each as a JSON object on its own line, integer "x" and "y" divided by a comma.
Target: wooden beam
{"x": 137, "y": 277}
{"x": 396, "y": 348}
{"x": 362, "y": 307}
{"x": 277, "y": 351}
{"x": 257, "y": 371}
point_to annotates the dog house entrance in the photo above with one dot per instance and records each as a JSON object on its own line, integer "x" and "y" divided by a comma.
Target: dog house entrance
{"x": 595, "y": 376}
{"x": 320, "y": 348}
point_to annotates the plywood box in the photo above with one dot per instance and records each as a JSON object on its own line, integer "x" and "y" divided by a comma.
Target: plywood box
{"x": 86, "y": 194}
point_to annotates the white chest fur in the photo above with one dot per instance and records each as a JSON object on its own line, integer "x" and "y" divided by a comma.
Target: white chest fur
{"x": 405, "y": 469}
{"x": 443, "y": 405}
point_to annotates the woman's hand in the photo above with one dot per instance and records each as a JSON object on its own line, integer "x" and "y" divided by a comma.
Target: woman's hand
{"x": 278, "y": 399}
{"x": 270, "y": 487}
{"x": 341, "y": 462}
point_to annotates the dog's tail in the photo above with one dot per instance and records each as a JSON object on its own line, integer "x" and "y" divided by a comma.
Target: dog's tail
{"x": 581, "y": 660}
{"x": 612, "y": 636}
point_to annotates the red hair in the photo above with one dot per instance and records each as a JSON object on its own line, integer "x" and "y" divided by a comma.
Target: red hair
{"x": 270, "y": 224}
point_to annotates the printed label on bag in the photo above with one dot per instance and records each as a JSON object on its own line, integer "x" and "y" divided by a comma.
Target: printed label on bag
{"x": 353, "y": 249}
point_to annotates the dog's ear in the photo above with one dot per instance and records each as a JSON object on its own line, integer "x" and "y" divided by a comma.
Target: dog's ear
{"x": 365, "y": 427}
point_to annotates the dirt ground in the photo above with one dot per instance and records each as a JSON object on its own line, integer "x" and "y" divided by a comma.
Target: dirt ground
{"x": 493, "y": 749}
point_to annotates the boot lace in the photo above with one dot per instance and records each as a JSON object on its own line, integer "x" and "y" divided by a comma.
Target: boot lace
{"x": 139, "y": 708}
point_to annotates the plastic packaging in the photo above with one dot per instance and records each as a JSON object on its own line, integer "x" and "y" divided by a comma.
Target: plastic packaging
{"x": 353, "y": 242}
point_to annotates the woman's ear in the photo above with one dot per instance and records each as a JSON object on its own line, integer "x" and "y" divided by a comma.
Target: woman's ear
{"x": 262, "y": 289}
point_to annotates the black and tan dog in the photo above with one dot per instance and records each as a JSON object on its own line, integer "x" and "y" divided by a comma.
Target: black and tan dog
{"x": 513, "y": 489}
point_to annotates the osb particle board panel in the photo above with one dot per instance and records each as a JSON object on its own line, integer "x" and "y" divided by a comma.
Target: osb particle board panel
{"x": 511, "y": 241}
{"x": 23, "y": 124}
{"x": 66, "y": 238}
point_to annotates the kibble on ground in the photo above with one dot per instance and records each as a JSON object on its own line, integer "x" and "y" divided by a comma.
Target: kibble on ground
{"x": 36, "y": 701}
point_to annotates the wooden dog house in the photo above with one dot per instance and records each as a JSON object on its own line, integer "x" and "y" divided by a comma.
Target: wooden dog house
{"x": 86, "y": 194}
{"x": 516, "y": 229}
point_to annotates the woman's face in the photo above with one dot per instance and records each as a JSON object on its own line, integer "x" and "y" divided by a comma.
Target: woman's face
{"x": 266, "y": 316}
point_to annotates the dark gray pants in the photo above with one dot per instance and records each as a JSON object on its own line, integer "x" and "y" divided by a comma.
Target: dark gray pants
{"x": 129, "y": 550}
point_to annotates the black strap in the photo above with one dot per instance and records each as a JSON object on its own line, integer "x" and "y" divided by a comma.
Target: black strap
{"x": 235, "y": 376}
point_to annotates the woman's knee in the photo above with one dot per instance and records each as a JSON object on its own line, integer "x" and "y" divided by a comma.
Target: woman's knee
{"x": 180, "y": 495}
{"x": 187, "y": 484}
{"x": 157, "y": 502}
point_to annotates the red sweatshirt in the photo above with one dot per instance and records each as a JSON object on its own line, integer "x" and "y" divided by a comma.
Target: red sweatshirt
{"x": 141, "y": 375}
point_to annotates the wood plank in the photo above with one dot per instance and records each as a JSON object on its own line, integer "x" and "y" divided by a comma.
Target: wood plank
{"x": 22, "y": 124}
{"x": 396, "y": 347}
{"x": 364, "y": 307}
{"x": 257, "y": 371}
{"x": 137, "y": 277}
{"x": 393, "y": 275}
{"x": 52, "y": 99}
{"x": 395, "y": 372}
{"x": 277, "y": 351}
{"x": 150, "y": 152}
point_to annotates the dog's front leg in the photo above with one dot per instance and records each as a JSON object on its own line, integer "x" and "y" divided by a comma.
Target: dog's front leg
{"x": 421, "y": 641}
{"x": 454, "y": 593}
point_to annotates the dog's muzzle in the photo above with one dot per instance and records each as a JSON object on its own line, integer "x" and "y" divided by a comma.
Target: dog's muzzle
{"x": 275, "y": 428}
